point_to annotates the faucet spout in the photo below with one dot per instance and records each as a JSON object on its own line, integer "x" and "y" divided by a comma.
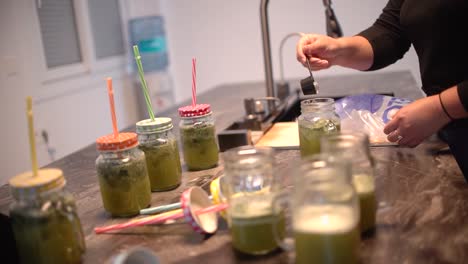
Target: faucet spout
{"x": 270, "y": 88}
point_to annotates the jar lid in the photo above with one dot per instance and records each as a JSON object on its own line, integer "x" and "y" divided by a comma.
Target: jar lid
{"x": 28, "y": 185}
{"x": 123, "y": 141}
{"x": 192, "y": 200}
{"x": 149, "y": 126}
{"x": 197, "y": 110}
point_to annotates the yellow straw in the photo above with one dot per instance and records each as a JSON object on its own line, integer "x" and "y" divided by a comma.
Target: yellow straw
{"x": 32, "y": 143}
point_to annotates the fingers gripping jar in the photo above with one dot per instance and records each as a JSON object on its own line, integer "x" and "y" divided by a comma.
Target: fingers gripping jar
{"x": 45, "y": 223}
{"x": 122, "y": 174}
{"x": 161, "y": 151}
{"x": 198, "y": 135}
{"x": 318, "y": 117}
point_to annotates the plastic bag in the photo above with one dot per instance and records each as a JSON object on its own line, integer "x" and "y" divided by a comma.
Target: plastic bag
{"x": 368, "y": 113}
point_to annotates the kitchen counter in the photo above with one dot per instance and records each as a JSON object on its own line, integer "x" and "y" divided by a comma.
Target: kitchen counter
{"x": 422, "y": 192}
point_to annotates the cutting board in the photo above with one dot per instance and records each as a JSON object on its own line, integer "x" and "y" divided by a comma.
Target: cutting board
{"x": 281, "y": 135}
{"x": 285, "y": 135}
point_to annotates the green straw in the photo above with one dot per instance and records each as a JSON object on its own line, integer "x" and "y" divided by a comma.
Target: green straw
{"x": 143, "y": 81}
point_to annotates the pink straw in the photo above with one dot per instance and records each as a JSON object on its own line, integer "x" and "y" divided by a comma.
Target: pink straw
{"x": 157, "y": 219}
{"x": 110, "y": 91}
{"x": 194, "y": 82}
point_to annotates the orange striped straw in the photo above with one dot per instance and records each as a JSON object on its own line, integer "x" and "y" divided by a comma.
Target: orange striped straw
{"x": 110, "y": 91}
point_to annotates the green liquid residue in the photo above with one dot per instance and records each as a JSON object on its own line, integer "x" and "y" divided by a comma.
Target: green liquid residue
{"x": 50, "y": 234}
{"x": 339, "y": 248}
{"x": 309, "y": 135}
{"x": 163, "y": 164}
{"x": 254, "y": 235}
{"x": 200, "y": 147}
{"x": 125, "y": 186}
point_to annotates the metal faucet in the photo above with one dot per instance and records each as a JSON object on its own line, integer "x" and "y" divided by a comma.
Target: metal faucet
{"x": 333, "y": 30}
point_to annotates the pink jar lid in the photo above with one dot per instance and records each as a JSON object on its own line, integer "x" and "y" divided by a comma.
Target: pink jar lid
{"x": 197, "y": 110}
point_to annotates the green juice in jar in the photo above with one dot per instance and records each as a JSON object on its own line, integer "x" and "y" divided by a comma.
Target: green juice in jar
{"x": 253, "y": 224}
{"x": 254, "y": 235}
{"x": 309, "y": 135}
{"x": 200, "y": 147}
{"x": 163, "y": 162}
{"x": 125, "y": 187}
{"x": 365, "y": 190}
{"x": 49, "y": 235}
{"x": 331, "y": 238}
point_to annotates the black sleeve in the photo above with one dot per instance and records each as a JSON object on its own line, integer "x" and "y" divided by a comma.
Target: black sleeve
{"x": 462, "y": 89}
{"x": 386, "y": 36}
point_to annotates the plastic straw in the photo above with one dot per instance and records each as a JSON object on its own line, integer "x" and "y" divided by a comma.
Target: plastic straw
{"x": 156, "y": 219}
{"x": 110, "y": 91}
{"x": 161, "y": 208}
{"x": 32, "y": 143}
{"x": 194, "y": 82}
{"x": 143, "y": 82}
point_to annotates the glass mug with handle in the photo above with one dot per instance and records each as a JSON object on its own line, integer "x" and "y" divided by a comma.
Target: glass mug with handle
{"x": 354, "y": 146}
{"x": 323, "y": 212}
{"x": 250, "y": 188}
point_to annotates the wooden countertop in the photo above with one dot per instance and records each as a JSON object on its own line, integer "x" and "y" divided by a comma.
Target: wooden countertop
{"x": 424, "y": 220}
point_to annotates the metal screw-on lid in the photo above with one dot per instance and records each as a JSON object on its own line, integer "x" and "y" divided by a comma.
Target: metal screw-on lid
{"x": 27, "y": 185}
{"x": 193, "y": 199}
{"x": 149, "y": 126}
{"x": 197, "y": 110}
{"x": 122, "y": 141}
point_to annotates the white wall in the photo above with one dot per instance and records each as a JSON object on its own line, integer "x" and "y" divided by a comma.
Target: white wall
{"x": 223, "y": 35}
{"x": 74, "y": 111}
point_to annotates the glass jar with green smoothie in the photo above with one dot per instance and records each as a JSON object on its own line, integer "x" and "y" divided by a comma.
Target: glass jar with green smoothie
{"x": 354, "y": 146}
{"x": 250, "y": 189}
{"x": 198, "y": 136}
{"x": 122, "y": 173}
{"x": 323, "y": 212}
{"x": 161, "y": 151}
{"x": 44, "y": 219}
{"x": 318, "y": 117}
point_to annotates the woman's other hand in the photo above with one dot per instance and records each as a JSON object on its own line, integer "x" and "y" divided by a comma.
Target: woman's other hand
{"x": 416, "y": 121}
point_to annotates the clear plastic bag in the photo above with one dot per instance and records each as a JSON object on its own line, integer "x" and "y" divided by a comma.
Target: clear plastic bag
{"x": 369, "y": 113}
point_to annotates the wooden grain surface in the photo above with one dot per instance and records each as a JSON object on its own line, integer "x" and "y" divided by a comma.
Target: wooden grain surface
{"x": 282, "y": 135}
{"x": 422, "y": 218}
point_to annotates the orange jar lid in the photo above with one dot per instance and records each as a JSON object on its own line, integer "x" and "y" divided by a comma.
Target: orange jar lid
{"x": 122, "y": 141}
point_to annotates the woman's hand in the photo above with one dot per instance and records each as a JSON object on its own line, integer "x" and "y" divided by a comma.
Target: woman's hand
{"x": 416, "y": 121}
{"x": 321, "y": 50}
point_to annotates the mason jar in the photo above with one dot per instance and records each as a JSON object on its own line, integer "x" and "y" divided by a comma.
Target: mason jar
{"x": 159, "y": 144}
{"x": 122, "y": 173}
{"x": 318, "y": 118}
{"x": 354, "y": 146}
{"x": 322, "y": 210}
{"x": 198, "y": 136}
{"x": 250, "y": 189}
{"x": 44, "y": 219}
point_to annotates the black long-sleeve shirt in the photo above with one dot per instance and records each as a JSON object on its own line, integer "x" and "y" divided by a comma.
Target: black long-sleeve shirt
{"x": 436, "y": 29}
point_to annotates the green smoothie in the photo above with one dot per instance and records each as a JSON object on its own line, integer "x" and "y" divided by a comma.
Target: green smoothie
{"x": 365, "y": 190}
{"x": 50, "y": 234}
{"x": 329, "y": 238}
{"x": 309, "y": 135}
{"x": 163, "y": 164}
{"x": 254, "y": 235}
{"x": 199, "y": 146}
{"x": 125, "y": 186}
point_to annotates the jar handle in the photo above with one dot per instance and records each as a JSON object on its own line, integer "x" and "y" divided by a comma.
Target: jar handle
{"x": 281, "y": 206}
{"x": 76, "y": 225}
